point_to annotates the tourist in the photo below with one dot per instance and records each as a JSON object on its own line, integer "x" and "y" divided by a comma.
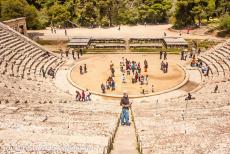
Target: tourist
{"x": 142, "y": 79}
{"x": 67, "y": 52}
{"x": 161, "y": 53}
{"x": 207, "y": 73}
{"x": 199, "y": 51}
{"x": 128, "y": 71}
{"x": 113, "y": 72}
{"x": 113, "y": 84}
{"x": 87, "y": 95}
{"x": 139, "y": 70}
{"x": 121, "y": 67}
{"x": 166, "y": 67}
{"x": 111, "y": 65}
{"x": 78, "y": 96}
{"x": 152, "y": 89}
{"x": 51, "y": 29}
{"x": 54, "y": 30}
{"x": 165, "y": 34}
{"x": 126, "y": 104}
{"x": 136, "y": 77}
{"x": 107, "y": 84}
{"x": 133, "y": 67}
{"x": 123, "y": 79}
{"x": 83, "y": 95}
{"x": 43, "y": 71}
{"x": 165, "y": 55}
{"x": 51, "y": 72}
{"x": 182, "y": 55}
{"x": 216, "y": 89}
{"x": 78, "y": 55}
{"x": 81, "y": 70}
{"x": 46, "y": 54}
{"x": 133, "y": 79}
{"x": 190, "y": 54}
{"x": 103, "y": 88}
{"x": 146, "y": 79}
{"x": 65, "y": 32}
{"x": 162, "y": 65}
{"x": 189, "y": 97}
{"x": 85, "y": 68}
{"x": 138, "y": 65}
{"x": 81, "y": 52}
{"x": 73, "y": 54}
{"x": 61, "y": 52}
{"x": 203, "y": 69}
{"x": 146, "y": 65}
{"x": 185, "y": 57}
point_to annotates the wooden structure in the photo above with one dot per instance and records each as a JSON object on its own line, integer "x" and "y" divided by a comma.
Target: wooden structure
{"x": 79, "y": 42}
{"x": 108, "y": 40}
{"x": 146, "y": 45}
{"x": 175, "y": 42}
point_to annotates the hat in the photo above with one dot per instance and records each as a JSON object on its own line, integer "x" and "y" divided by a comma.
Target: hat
{"x": 125, "y": 92}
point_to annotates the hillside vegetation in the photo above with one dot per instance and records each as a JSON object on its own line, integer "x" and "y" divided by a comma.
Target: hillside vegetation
{"x": 91, "y": 13}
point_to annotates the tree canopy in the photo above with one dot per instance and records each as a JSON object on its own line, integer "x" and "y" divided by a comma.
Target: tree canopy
{"x": 41, "y": 13}
{"x": 191, "y": 12}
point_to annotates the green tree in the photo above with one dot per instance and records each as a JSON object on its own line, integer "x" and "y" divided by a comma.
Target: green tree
{"x": 20, "y": 8}
{"x": 58, "y": 13}
{"x": 225, "y": 22}
{"x": 87, "y": 13}
{"x": 153, "y": 11}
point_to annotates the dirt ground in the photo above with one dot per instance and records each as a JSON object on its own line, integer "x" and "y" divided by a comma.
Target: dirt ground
{"x": 99, "y": 71}
{"x": 125, "y": 32}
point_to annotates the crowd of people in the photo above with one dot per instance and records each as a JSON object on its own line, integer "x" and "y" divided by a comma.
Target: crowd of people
{"x": 83, "y": 69}
{"x": 164, "y": 66}
{"x": 127, "y": 68}
{"x": 83, "y": 95}
{"x": 195, "y": 62}
{"x": 54, "y": 29}
{"x": 50, "y": 72}
{"x": 72, "y": 51}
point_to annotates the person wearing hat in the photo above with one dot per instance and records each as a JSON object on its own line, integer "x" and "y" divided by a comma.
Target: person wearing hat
{"x": 125, "y": 103}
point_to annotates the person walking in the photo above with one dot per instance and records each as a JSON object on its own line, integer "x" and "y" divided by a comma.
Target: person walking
{"x": 161, "y": 53}
{"x": 85, "y": 68}
{"x": 182, "y": 55}
{"x": 103, "y": 88}
{"x": 81, "y": 70}
{"x": 207, "y": 73}
{"x": 78, "y": 96}
{"x": 67, "y": 52}
{"x": 216, "y": 89}
{"x": 43, "y": 71}
{"x": 113, "y": 72}
{"x": 123, "y": 79}
{"x": 125, "y": 104}
{"x": 81, "y": 52}
{"x": 165, "y": 55}
{"x": 78, "y": 55}
{"x": 73, "y": 54}
{"x": 83, "y": 95}
{"x": 166, "y": 67}
{"x": 65, "y": 32}
{"x": 189, "y": 97}
{"x": 87, "y": 95}
{"x": 113, "y": 85}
